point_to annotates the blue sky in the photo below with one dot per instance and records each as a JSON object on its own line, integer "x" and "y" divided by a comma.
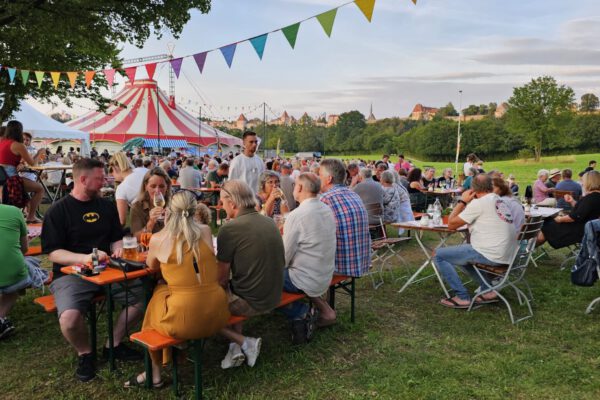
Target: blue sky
{"x": 408, "y": 54}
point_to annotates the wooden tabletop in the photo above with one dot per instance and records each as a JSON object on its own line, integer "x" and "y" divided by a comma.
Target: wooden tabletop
{"x": 108, "y": 276}
{"x": 416, "y": 225}
{"x": 440, "y": 192}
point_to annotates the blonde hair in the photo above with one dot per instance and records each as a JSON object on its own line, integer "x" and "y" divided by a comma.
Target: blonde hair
{"x": 591, "y": 181}
{"x": 239, "y": 192}
{"x": 182, "y": 226}
{"x": 156, "y": 171}
{"x": 120, "y": 160}
{"x": 203, "y": 214}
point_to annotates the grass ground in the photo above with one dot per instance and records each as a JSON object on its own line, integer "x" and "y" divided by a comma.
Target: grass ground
{"x": 525, "y": 171}
{"x": 402, "y": 346}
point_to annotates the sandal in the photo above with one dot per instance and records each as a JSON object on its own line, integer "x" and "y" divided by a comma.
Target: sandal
{"x": 481, "y": 300}
{"x": 133, "y": 382}
{"x": 451, "y": 303}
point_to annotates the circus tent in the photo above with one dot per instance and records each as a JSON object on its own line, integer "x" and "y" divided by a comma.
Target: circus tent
{"x": 138, "y": 116}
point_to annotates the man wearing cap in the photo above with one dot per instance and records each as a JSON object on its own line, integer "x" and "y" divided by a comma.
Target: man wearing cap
{"x": 553, "y": 179}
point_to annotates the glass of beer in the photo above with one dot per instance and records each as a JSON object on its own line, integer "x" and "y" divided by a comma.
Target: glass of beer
{"x": 130, "y": 248}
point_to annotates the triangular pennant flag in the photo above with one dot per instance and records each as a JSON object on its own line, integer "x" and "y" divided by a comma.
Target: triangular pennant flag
{"x": 228, "y": 52}
{"x": 414, "y": 2}
{"x": 72, "y": 78}
{"x": 291, "y": 33}
{"x": 11, "y": 74}
{"x": 55, "y": 78}
{"x": 110, "y": 76}
{"x": 39, "y": 75}
{"x": 89, "y": 75}
{"x": 25, "y": 76}
{"x": 326, "y": 20}
{"x": 150, "y": 68}
{"x": 259, "y": 44}
{"x": 131, "y": 73}
{"x": 200, "y": 60}
{"x": 366, "y": 6}
{"x": 176, "y": 65}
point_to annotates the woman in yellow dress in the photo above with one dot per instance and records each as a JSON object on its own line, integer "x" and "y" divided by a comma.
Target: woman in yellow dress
{"x": 188, "y": 302}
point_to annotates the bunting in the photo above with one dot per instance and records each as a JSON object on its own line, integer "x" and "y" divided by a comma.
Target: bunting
{"x": 290, "y": 32}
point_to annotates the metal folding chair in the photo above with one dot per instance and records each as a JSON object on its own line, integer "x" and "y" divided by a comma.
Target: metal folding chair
{"x": 513, "y": 274}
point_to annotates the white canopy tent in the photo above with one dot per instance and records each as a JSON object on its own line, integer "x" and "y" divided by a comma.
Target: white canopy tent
{"x": 44, "y": 127}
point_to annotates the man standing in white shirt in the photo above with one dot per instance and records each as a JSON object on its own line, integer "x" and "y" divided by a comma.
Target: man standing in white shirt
{"x": 309, "y": 241}
{"x": 247, "y": 166}
{"x": 493, "y": 240}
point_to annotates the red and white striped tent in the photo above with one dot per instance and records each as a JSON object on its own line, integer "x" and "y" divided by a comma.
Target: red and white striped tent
{"x": 139, "y": 116}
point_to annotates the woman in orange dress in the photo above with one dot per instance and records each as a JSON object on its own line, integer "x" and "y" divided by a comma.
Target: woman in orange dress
{"x": 188, "y": 302}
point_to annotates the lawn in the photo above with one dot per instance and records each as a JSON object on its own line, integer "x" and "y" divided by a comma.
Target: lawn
{"x": 402, "y": 346}
{"x": 525, "y": 171}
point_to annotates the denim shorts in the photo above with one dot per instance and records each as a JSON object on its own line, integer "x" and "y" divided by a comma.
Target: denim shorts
{"x": 25, "y": 283}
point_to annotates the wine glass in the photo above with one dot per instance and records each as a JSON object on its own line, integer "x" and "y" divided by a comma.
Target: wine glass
{"x": 159, "y": 201}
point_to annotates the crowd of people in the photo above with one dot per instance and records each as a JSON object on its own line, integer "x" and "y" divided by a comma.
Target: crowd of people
{"x": 292, "y": 225}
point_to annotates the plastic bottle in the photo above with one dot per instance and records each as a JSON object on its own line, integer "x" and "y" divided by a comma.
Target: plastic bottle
{"x": 437, "y": 212}
{"x": 437, "y": 206}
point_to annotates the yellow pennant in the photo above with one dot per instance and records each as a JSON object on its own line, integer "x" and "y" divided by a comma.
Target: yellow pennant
{"x": 366, "y": 6}
{"x": 72, "y": 78}
{"x": 55, "y": 78}
{"x": 414, "y": 2}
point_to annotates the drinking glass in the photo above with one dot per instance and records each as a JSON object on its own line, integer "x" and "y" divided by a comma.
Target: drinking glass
{"x": 159, "y": 201}
{"x": 130, "y": 248}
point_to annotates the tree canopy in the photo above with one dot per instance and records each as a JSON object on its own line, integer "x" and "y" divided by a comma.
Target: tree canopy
{"x": 589, "y": 103}
{"x": 78, "y": 35}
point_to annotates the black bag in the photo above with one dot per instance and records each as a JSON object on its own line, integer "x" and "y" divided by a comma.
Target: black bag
{"x": 585, "y": 270}
{"x": 126, "y": 265}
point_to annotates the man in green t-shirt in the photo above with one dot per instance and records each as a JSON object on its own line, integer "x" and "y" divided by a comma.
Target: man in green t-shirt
{"x": 250, "y": 248}
{"x": 215, "y": 179}
{"x": 14, "y": 275}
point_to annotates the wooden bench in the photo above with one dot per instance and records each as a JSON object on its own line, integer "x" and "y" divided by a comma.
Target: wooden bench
{"x": 154, "y": 341}
{"x": 34, "y": 250}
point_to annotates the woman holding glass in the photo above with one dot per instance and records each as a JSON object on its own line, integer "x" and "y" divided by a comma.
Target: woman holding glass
{"x": 270, "y": 196}
{"x": 188, "y": 303}
{"x": 147, "y": 211}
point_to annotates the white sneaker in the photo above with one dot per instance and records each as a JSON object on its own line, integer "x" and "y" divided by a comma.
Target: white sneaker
{"x": 252, "y": 350}
{"x": 234, "y": 357}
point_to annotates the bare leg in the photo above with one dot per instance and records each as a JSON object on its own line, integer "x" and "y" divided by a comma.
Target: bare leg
{"x": 327, "y": 313}
{"x": 234, "y": 333}
{"x": 541, "y": 239}
{"x": 7, "y": 301}
{"x": 38, "y": 192}
{"x": 134, "y": 315}
{"x": 72, "y": 326}
{"x": 156, "y": 374}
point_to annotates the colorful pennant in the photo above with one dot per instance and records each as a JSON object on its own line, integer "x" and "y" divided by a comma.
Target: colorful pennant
{"x": 25, "y": 76}
{"x": 11, "y": 74}
{"x": 72, "y": 78}
{"x": 130, "y": 71}
{"x": 326, "y": 20}
{"x": 200, "y": 60}
{"x": 291, "y": 33}
{"x": 39, "y": 75}
{"x": 259, "y": 44}
{"x": 228, "y": 52}
{"x": 89, "y": 75}
{"x": 150, "y": 68}
{"x": 176, "y": 65}
{"x": 109, "y": 74}
{"x": 366, "y": 6}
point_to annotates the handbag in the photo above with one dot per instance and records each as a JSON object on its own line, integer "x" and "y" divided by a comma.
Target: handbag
{"x": 585, "y": 274}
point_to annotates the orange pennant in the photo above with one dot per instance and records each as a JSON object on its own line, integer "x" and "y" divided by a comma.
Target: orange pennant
{"x": 72, "y": 78}
{"x": 414, "y": 2}
{"x": 89, "y": 75}
{"x": 55, "y": 78}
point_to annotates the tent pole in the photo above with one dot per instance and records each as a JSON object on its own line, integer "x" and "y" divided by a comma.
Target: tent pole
{"x": 158, "y": 120}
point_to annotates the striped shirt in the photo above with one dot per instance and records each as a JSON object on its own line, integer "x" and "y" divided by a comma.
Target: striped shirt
{"x": 353, "y": 242}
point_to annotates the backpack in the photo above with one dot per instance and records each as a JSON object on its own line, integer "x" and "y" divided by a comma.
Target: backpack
{"x": 585, "y": 270}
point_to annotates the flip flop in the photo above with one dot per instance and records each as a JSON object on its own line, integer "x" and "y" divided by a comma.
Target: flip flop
{"x": 451, "y": 303}
{"x": 133, "y": 382}
{"x": 481, "y": 300}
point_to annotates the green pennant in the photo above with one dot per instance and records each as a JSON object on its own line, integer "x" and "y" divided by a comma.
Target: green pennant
{"x": 39, "y": 75}
{"x": 291, "y": 33}
{"x": 326, "y": 20}
{"x": 25, "y": 76}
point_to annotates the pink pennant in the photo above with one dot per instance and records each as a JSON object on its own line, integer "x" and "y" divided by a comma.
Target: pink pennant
{"x": 110, "y": 76}
{"x": 131, "y": 73}
{"x": 150, "y": 68}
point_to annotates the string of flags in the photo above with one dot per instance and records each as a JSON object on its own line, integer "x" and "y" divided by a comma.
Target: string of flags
{"x": 290, "y": 32}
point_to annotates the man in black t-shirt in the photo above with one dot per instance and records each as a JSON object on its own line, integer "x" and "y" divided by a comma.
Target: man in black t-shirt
{"x": 72, "y": 227}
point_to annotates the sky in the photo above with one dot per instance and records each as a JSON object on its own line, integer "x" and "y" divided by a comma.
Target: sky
{"x": 407, "y": 55}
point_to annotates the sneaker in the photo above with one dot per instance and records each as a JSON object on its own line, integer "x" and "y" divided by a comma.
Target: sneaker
{"x": 123, "y": 353}
{"x": 6, "y": 327}
{"x": 86, "y": 370}
{"x": 234, "y": 357}
{"x": 252, "y": 350}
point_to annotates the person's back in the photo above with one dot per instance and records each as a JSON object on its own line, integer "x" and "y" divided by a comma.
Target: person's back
{"x": 129, "y": 189}
{"x": 190, "y": 177}
{"x": 252, "y": 244}
{"x": 12, "y": 229}
{"x": 369, "y": 191}
{"x": 571, "y": 186}
{"x": 287, "y": 186}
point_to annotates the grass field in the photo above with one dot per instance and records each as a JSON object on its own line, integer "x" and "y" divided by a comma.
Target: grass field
{"x": 525, "y": 171}
{"x": 402, "y": 346}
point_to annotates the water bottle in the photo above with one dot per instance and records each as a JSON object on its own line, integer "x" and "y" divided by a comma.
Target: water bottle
{"x": 437, "y": 217}
{"x": 437, "y": 206}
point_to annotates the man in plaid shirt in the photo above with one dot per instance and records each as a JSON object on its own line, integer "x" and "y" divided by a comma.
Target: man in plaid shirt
{"x": 353, "y": 242}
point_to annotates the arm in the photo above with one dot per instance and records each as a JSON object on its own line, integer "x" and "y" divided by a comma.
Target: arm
{"x": 563, "y": 219}
{"x": 224, "y": 269}
{"x": 24, "y": 244}
{"x": 207, "y": 237}
{"x": 151, "y": 260}
{"x": 122, "y": 207}
{"x": 291, "y": 235}
{"x": 65, "y": 257}
{"x": 454, "y": 220}
{"x": 116, "y": 248}
{"x": 21, "y": 150}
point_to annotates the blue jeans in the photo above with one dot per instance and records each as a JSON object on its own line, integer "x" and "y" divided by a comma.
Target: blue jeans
{"x": 15, "y": 287}
{"x": 446, "y": 258}
{"x": 297, "y": 309}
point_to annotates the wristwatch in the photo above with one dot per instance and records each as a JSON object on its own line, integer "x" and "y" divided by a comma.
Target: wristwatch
{"x": 463, "y": 202}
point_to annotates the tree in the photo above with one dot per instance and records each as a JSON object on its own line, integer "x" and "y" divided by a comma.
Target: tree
{"x": 538, "y": 110}
{"x": 589, "y": 102}
{"x": 471, "y": 110}
{"x": 349, "y": 129}
{"x": 447, "y": 111}
{"x": 77, "y": 35}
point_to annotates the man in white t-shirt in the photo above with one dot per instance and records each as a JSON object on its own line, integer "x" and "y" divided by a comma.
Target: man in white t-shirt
{"x": 310, "y": 244}
{"x": 493, "y": 240}
{"x": 247, "y": 166}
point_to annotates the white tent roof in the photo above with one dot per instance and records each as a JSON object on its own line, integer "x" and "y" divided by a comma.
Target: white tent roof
{"x": 44, "y": 127}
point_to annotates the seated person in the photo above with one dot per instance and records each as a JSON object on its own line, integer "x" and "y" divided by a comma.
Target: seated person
{"x": 270, "y": 196}
{"x": 73, "y": 226}
{"x": 183, "y": 253}
{"x": 568, "y": 229}
{"x": 541, "y": 192}
{"x": 215, "y": 179}
{"x": 14, "y": 274}
{"x": 309, "y": 241}
{"x": 190, "y": 177}
{"x": 250, "y": 248}
{"x": 568, "y": 184}
{"x": 516, "y": 209}
{"x": 493, "y": 240}
{"x": 446, "y": 180}
{"x": 415, "y": 181}
{"x": 146, "y": 216}
{"x": 472, "y": 172}
{"x": 203, "y": 215}
{"x": 512, "y": 185}
{"x": 429, "y": 178}
{"x": 393, "y": 195}
{"x": 130, "y": 181}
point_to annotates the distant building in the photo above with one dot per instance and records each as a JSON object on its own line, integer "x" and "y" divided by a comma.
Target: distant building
{"x": 371, "y": 118}
{"x": 332, "y": 119}
{"x": 241, "y": 122}
{"x": 420, "y": 112}
{"x": 501, "y": 110}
